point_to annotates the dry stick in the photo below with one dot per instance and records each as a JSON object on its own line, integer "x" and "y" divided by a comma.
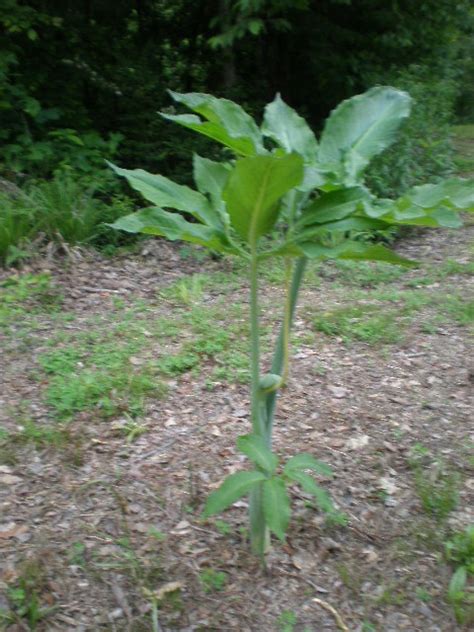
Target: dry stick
{"x": 340, "y": 623}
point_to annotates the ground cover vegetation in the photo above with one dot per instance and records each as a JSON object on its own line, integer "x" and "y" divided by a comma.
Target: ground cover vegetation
{"x": 396, "y": 409}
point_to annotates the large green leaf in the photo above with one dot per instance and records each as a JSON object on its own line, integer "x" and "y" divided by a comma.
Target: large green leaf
{"x": 276, "y": 506}
{"x": 334, "y": 205}
{"x": 456, "y": 192}
{"x": 311, "y": 487}
{"x": 427, "y": 205}
{"x": 210, "y": 177}
{"x": 164, "y": 192}
{"x": 350, "y": 250}
{"x": 289, "y": 130}
{"x": 226, "y": 122}
{"x": 258, "y": 452}
{"x": 253, "y": 189}
{"x": 359, "y": 224}
{"x": 305, "y": 461}
{"x": 360, "y": 128}
{"x": 234, "y": 487}
{"x": 156, "y": 221}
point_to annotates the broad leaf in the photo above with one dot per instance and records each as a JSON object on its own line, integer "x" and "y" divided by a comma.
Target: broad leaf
{"x": 360, "y": 128}
{"x": 210, "y": 177}
{"x": 234, "y": 487}
{"x": 164, "y": 192}
{"x": 457, "y": 192}
{"x": 258, "y": 452}
{"x": 254, "y": 187}
{"x": 276, "y": 506}
{"x": 360, "y": 224}
{"x": 289, "y": 130}
{"x": 350, "y": 250}
{"x": 156, "y": 221}
{"x": 305, "y": 461}
{"x": 310, "y": 486}
{"x": 227, "y": 122}
{"x": 334, "y": 205}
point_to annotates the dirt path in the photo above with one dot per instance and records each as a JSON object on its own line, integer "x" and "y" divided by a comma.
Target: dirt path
{"x": 102, "y": 479}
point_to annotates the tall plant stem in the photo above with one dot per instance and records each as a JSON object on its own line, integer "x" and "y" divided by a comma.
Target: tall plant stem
{"x": 281, "y": 345}
{"x": 259, "y": 534}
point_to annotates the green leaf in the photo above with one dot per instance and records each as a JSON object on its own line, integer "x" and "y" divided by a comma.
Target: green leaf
{"x": 360, "y": 128}
{"x": 258, "y": 452}
{"x": 164, "y": 192}
{"x": 210, "y": 177}
{"x": 310, "y": 486}
{"x": 156, "y": 221}
{"x": 289, "y": 130}
{"x": 353, "y": 250}
{"x": 305, "y": 461}
{"x": 333, "y": 206}
{"x": 254, "y": 188}
{"x": 457, "y": 584}
{"x": 345, "y": 225}
{"x": 227, "y": 122}
{"x": 234, "y": 487}
{"x": 456, "y": 192}
{"x": 276, "y": 506}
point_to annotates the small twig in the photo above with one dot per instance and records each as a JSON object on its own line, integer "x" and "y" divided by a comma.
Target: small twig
{"x": 340, "y": 623}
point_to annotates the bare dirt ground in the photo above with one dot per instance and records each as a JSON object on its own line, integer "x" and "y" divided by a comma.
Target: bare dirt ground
{"x": 101, "y": 523}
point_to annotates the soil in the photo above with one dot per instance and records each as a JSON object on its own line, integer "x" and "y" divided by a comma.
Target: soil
{"x": 101, "y": 528}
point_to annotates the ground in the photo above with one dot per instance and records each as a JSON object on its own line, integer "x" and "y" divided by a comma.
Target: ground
{"x": 125, "y": 388}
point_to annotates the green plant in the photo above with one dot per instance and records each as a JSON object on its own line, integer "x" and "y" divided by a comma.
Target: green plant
{"x": 286, "y": 195}
{"x": 437, "y": 488}
{"x": 24, "y": 600}
{"x": 459, "y": 552}
{"x": 211, "y": 580}
{"x": 287, "y": 621}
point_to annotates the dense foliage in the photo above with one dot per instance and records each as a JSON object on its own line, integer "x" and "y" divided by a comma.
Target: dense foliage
{"x": 82, "y": 81}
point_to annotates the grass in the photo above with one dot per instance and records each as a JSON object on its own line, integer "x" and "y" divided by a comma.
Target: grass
{"x": 390, "y": 312}
{"x": 27, "y": 295}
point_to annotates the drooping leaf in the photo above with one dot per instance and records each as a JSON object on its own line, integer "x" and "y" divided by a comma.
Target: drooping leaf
{"x": 289, "y": 130}
{"x": 276, "y": 506}
{"x": 360, "y": 128}
{"x": 164, "y": 192}
{"x": 310, "y": 486}
{"x": 253, "y": 189}
{"x": 456, "y": 192}
{"x": 258, "y": 452}
{"x": 334, "y": 205}
{"x": 234, "y": 487}
{"x": 350, "y": 250}
{"x": 345, "y": 225}
{"x": 305, "y": 461}
{"x": 210, "y": 177}
{"x": 156, "y": 221}
{"x": 226, "y": 122}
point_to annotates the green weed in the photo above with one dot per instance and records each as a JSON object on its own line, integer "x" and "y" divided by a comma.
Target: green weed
{"x": 212, "y": 580}
{"x": 366, "y": 323}
{"x": 25, "y": 607}
{"x": 437, "y": 488}
{"x": 287, "y": 621}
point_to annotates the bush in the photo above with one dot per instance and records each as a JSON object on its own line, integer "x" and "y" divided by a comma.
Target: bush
{"x": 66, "y": 208}
{"x": 423, "y": 151}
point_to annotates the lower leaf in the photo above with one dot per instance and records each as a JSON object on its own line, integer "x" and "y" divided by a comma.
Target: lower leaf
{"x": 276, "y": 506}
{"x": 234, "y": 487}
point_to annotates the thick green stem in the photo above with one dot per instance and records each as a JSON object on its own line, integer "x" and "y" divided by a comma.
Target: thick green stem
{"x": 279, "y": 355}
{"x": 259, "y": 534}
